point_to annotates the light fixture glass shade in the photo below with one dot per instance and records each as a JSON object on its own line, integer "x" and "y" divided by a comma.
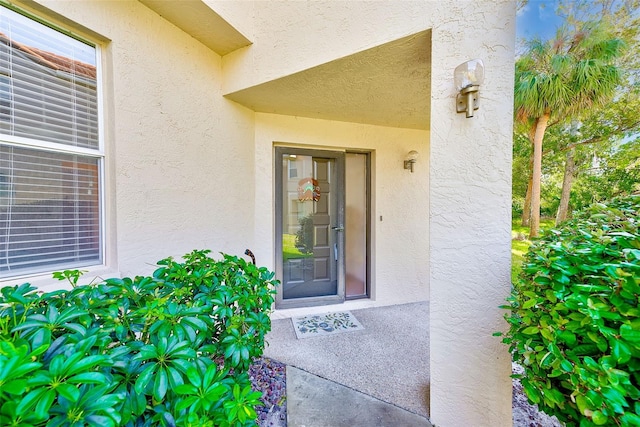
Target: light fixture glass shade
{"x": 470, "y": 73}
{"x": 412, "y": 156}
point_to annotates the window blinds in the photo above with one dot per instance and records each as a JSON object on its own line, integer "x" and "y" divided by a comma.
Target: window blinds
{"x": 49, "y": 198}
{"x": 51, "y": 89}
{"x": 50, "y": 213}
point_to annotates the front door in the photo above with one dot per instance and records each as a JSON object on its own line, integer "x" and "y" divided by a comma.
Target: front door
{"x": 309, "y": 227}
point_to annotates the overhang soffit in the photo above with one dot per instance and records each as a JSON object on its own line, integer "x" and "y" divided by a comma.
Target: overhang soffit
{"x": 387, "y": 85}
{"x": 197, "y": 19}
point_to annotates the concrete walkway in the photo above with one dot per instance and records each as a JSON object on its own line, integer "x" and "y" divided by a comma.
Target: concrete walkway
{"x": 316, "y": 402}
{"x": 377, "y": 376}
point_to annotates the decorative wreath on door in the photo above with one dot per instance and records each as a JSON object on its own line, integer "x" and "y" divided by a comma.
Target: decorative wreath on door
{"x": 308, "y": 189}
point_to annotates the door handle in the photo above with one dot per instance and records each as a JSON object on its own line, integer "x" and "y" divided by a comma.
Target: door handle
{"x": 338, "y": 228}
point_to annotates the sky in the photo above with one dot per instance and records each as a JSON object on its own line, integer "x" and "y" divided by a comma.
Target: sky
{"x": 537, "y": 18}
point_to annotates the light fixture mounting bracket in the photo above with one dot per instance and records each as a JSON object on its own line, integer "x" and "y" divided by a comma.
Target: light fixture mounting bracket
{"x": 467, "y": 100}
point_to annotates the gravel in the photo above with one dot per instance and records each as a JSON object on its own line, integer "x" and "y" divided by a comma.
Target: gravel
{"x": 525, "y": 414}
{"x": 268, "y": 376}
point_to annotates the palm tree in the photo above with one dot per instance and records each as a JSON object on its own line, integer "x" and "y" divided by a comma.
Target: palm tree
{"x": 560, "y": 78}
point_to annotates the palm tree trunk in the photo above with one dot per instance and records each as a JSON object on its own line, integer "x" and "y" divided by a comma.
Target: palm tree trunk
{"x": 526, "y": 208}
{"x": 569, "y": 174}
{"x": 541, "y": 127}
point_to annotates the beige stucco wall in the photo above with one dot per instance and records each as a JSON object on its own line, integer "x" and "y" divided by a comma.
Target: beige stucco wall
{"x": 179, "y": 154}
{"x": 290, "y": 36}
{"x": 470, "y": 174}
{"x": 400, "y": 243}
{"x": 189, "y": 169}
{"x": 470, "y": 194}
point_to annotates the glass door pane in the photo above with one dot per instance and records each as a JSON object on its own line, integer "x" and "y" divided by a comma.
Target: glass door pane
{"x": 310, "y": 226}
{"x": 356, "y": 225}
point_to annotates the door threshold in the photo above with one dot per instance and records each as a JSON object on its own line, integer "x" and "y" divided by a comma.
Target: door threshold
{"x": 286, "y": 313}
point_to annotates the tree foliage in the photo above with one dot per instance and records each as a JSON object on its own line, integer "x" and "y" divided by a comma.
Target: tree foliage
{"x": 560, "y": 77}
{"x": 583, "y": 131}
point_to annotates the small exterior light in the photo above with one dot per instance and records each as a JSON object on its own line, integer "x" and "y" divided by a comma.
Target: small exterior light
{"x": 411, "y": 158}
{"x": 468, "y": 77}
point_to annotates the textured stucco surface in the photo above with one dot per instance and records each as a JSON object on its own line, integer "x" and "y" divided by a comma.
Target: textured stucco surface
{"x": 187, "y": 168}
{"x": 387, "y": 85}
{"x": 179, "y": 154}
{"x": 400, "y": 241}
{"x": 470, "y": 192}
{"x": 202, "y": 22}
{"x": 291, "y": 36}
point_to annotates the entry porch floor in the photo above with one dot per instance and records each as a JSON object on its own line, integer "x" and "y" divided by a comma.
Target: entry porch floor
{"x": 387, "y": 360}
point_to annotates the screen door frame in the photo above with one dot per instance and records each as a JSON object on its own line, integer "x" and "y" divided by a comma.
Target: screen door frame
{"x": 336, "y": 223}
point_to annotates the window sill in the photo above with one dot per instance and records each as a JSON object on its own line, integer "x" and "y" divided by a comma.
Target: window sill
{"x": 45, "y": 283}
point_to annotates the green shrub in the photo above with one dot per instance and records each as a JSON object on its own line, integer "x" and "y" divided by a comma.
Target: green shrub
{"x": 170, "y": 349}
{"x": 575, "y": 318}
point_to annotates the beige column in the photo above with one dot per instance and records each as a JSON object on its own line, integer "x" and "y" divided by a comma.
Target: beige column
{"x": 470, "y": 203}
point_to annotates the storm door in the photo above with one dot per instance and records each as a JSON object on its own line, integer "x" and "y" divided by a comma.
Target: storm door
{"x": 309, "y": 226}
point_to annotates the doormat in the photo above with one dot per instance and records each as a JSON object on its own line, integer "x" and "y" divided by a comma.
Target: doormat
{"x": 325, "y": 324}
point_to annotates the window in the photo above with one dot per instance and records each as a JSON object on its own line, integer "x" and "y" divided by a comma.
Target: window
{"x": 50, "y": 154}
{"x": 293, "y": 169}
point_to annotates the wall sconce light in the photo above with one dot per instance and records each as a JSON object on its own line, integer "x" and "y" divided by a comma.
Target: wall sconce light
{"x": 411, "y": 158}
{"x": 468, "y": 78}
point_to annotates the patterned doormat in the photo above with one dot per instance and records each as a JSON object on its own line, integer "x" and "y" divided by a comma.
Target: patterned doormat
{"x": 325, "y": 324}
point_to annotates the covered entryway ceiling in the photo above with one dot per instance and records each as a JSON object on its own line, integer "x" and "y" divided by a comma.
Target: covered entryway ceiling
{"x": 387, "y": 85}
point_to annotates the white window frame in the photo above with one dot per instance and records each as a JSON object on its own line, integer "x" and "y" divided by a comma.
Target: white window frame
{"x": 98, "y": 154}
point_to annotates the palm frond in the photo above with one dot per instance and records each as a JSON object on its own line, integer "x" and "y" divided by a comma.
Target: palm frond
{"x": 571, "y": 73}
